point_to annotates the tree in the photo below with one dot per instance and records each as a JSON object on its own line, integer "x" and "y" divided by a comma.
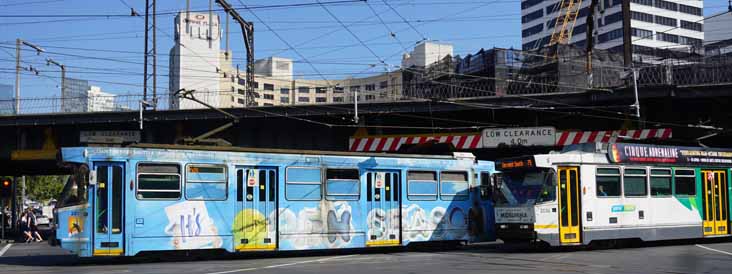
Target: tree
{"x": 44, "y": 188}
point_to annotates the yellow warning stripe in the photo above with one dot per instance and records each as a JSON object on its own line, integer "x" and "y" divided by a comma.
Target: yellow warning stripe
{"x": 108, "y": 252}
{"x": 418, "y": 135}
{"x": 252, "y": 247}
{"x": 545, "y": 226}
{"x": 382, "y": 243}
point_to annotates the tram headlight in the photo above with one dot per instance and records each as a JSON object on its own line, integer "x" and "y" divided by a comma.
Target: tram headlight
{"x": 503, "y": 226}
{"x": 524, "y": 226}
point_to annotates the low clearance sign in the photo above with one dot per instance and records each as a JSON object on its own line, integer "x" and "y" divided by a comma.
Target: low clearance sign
{"x": 520, "y": 136}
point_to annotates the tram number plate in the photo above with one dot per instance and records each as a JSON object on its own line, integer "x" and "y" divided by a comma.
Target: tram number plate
{"x": 570, "y": 235}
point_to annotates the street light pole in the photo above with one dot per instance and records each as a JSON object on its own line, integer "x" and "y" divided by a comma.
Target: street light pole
{"x": 38, "y": 49}
{"x": 50, "y": 61}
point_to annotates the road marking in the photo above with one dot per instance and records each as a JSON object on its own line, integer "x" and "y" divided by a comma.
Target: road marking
{"x": 282, "y": 265}
{"x": 715, "y": 250}
{"x": 5, "y": 249}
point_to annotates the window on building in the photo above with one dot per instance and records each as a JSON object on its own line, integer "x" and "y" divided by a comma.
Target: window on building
{"x": 206, "y": 182}
{"x": 640, "y": 16}
{"x": 691, "y": 25}
{"x": 158, "y": 181}
{"x": 660, "y": 182}
{"x": 269, "y": 87}
{"x": 303, "y": 89}
{"x": 303, "y": 183}
{"x": 285, "y": 91}
{"x": 666, "y": 21}
{"x": 641, "y": 33}
{"x": 615, "y": 17}
{"x": 529, "y": 3}
{"x": 550, "y": 23}
{"x": 579, "y": 29}
{"x": 552, "y": 8}
{"x": 303, "y": 99}
{"x": 355, "y": 88}
{"x": 370, "y": 97}
{"x": 690, "y": 41}
{"x": 242, "y": 82}
{"x": 608, "y": 182}
{"x": 321, "y": 90}
{"x": 240, "y": 101}
{"x": 454, "y": 185}
{"x": 320, "y": 100}
{"x": 634, "y": 182}
{"x": 532, "y": 16}
{"x": 685, "y": 182}
{"x": 583, "y": 12}
{"x": 338, "y": 90}
{"x": 690, "y": 10}
{"x": 337, "y": 99}
{"x": 532, "y": 30}
{"x": 422, "y": 185}
{"x": 370, "y": 87}
{"x": 256, "y": 84}
{"x": 666, "y": 5}
{"x": 610, "y": 35}
{"x": 269, "y": 96}
{"x": 342, "y": 184}
{"x": 241, "y": 91}
{"x": 660, "y": 36}
{"x": 643, "y": 2}
{"x": 383, "y": 84}
{"x": 284, "y": 100}
{"x": 268, "y": 104}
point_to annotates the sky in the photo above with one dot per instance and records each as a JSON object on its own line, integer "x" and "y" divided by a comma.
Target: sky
{"x": 108, "y": 51}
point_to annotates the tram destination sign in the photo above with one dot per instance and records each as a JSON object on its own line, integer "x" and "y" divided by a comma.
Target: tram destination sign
{"x": 519, "y": 136}
{"x": 641, "y": 153}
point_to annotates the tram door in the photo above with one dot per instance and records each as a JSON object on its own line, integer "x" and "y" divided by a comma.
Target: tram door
{"x": 569, "y": 205}
{"x": 257, "y": 217}
{"x": 716, "y": 202}
{"x": 108, "y": 209}
{"x": 383, "y": 207}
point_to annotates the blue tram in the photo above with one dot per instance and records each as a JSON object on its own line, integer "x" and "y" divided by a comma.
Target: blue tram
{"x": 123, "y": 201}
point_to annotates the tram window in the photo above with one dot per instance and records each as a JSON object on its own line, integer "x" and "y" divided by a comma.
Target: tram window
{"x": 685, "y": 182}
{"x": 634, "y": 183}
{"x": 158, "y": 181}
{"x": 342, "y": 184}
{"x": 206, "y": 182}
{"x": 303, "y": 184}
{"x": 454, "y": 185}
{"x": 608, "y": 182}
{"x": 485, "y": 186}
{"x": 660, "y": 182}
{"x": 422, "y": 185}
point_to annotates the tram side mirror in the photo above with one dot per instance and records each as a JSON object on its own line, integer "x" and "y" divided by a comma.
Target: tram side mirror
{"x": 92, "y": 177}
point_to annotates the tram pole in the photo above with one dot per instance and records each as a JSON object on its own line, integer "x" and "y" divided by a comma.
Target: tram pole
{"x": 636, "y": 105}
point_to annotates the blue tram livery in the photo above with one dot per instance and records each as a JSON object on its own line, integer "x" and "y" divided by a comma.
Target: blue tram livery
{"x": 123, "y": 201}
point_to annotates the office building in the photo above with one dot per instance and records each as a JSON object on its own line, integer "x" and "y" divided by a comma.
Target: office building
{"x": 717, "y": 35}
{"x": 657, "y": 27}
{"x": 7, "y": 102}
{"x": 194, "y": 59}
{"x": 426, "y": 53}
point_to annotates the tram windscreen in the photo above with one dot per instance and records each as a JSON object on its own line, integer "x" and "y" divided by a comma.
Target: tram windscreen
{"x": 74, "y": 192}
{"x": 526, "y": 187}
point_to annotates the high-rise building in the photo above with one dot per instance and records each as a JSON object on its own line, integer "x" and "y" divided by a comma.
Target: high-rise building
{"x": 656, "y": 26}
{"x": 74, "y": 95}
{"x": 717, "y": 35}
{"x": 7, "y": 96}
{"x": 194, "y": 59}
{"x": 98, "y": 100}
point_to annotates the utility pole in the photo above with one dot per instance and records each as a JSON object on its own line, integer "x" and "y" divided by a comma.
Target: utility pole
{"x": 38, "y": 49}
{"x": 50, "y": 61}
{"x": 636, "y": 105}
{"x": 247, "y": 29}
{"x": 150, "y": 51}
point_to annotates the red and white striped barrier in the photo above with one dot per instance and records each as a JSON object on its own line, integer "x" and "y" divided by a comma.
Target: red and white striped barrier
{"x": 392, "y": 143}
{"x": 609, "y": 136}
{"x": 473, "y": 141}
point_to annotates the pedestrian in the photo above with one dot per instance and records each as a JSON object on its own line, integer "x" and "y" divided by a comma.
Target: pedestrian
{"x": 25, "y": 226}
{"x": 35, "y": 236}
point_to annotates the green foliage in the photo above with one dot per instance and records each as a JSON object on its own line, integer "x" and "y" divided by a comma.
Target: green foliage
{"x": 43, "y": 188}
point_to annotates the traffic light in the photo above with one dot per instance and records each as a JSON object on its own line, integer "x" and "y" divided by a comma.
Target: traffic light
{"x": 6, "y": 187}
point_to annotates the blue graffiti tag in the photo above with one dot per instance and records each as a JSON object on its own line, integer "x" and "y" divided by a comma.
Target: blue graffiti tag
{"x": 339, "y": 228}
{"x": 190, "y": 224}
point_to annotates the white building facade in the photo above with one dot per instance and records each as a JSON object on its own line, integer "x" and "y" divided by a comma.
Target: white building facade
{"x": 194, "y": 59}
{"x": 7, "y": 102}
{"x": 426, "y": 53}
{"x": 655, "y": 24}
{"x": 717, "y": 35}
